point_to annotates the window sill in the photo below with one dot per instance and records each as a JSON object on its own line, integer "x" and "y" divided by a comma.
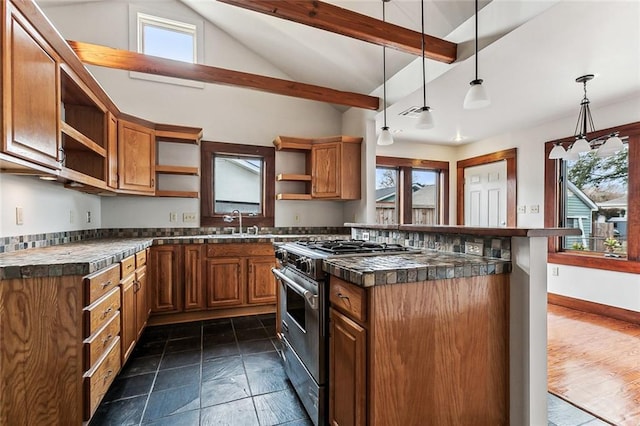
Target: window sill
{"x": 594, "y": 261}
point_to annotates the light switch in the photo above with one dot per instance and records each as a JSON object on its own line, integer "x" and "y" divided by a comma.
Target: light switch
{"x": 19, "y": 218}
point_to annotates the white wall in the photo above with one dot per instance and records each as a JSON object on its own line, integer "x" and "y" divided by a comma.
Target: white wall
{"x": 226, "y": 114}
{"x": 46, "y": 206}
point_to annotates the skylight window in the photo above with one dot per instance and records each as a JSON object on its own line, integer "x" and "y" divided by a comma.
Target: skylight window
{"x": 167, "y": 38}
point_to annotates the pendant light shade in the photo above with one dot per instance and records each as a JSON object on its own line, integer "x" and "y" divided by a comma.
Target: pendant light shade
{"x": 580, "y": 146}
{"x": 425, "y": 120}
{"x": 612, "y": 146}
{"x": 385, "y": 137}
{"x": 558, "y": 152}
{"x": 477, "y": 96}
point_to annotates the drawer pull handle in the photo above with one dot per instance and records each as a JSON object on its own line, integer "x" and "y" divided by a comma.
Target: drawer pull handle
{"x": 106, "y": 376}
{"x": 107, "y": 284}
{"x": 129, "y": 266}
{"x": 344, "y": 298}
{"x": 106, "y": 312}
{"x": 106, "y": 339}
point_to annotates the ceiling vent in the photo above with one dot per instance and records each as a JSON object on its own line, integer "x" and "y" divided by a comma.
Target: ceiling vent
{"x": 411, "y": 112}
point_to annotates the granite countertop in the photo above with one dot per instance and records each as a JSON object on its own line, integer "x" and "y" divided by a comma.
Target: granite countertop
{"x": 79, "y": 258}
{"x": 472, "y": 230}
{"x": 86, "y": 257}
{"x": 367, "y": 271}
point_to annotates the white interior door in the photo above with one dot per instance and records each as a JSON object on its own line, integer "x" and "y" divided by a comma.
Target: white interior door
{"x": 485, "y": 195}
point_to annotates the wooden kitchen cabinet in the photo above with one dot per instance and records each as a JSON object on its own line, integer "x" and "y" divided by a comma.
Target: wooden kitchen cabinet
{"x": 261, "y": 285}
{"x": 437, "y": 350}
{"x": 135, "y": 310}
{"x": 166, "y": 278}
{"x": 347, "y": 375}
{"x": 225, "y": 282}
{"x": 333, "y": 170}
{"x": 194, "y": 263}
{"x": 30, "y": 92}
{"x": 136, "y": 157}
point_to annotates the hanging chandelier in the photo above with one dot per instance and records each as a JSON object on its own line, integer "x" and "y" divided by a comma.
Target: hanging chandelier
{"x": 605, "y": 146}
{"x": 385, "y": 137}
{"x": 425, "y": 120}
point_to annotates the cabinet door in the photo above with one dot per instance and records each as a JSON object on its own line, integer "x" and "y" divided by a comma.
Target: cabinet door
{"x": 128, "y": 317}
{"x": 261, "y": 284}
{"x": 31, "y": 95}
{"x": 142, "y": 308}
{"x": 347, "y": 371}
{"x": 193, "y": 285}
{"x": 225, "y": 282}
{"x": 325, "y": 170}
{"x": 165, "y": 278}
{"x": 136, "y": 157}
{"x": 112, "y": 150}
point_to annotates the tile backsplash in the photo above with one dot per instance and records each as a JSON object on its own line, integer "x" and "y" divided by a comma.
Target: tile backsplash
{"x": 22, "y": 242}
{"x": 495, "y": 247}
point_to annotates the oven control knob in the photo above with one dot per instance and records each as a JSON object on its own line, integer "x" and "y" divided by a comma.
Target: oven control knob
{"x": 304, "y": 264}
{"x": 281, "y": 254}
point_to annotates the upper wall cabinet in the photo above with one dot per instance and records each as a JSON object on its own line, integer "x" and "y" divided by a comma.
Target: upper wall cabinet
{"x": 136, "y": 157}
{"x": 332, "y": 167}
{"x": 30, "y": 92}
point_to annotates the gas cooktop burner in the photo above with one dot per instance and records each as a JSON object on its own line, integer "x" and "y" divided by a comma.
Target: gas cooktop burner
{"x": 351, "y": 246}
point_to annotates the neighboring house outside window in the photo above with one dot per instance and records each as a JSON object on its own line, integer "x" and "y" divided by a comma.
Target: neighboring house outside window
{"x": 410, "y": 191}
{"x": 601, "y": 197}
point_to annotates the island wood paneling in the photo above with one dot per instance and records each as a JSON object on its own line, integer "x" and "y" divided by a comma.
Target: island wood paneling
{"x": 41, "y": 356}
{"x": 439, "y": 351}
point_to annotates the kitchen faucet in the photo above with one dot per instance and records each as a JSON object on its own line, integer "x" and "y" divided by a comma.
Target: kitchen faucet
{"x": 227, "y": 218}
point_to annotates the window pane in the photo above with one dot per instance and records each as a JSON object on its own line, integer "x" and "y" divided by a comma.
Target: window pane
{"x": 424, "y": 197}
{"x": 596, "y": 203}
{"x": 168, "y": 43}
{"x": 386, "y": 195}
{"x": 237, "y": 183}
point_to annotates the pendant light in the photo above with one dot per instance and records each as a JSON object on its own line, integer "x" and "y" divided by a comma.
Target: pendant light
{"x": 606, "y": 145}
{"x": 477, "y": 97}
{"x": 385, "y": 137}
{"x": 425, "y": 120}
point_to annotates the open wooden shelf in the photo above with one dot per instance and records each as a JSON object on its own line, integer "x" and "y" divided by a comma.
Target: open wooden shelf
{"x": 293, "y": 177}
{"x": 293, "y": 196}
{"x": 178, "y": 194}
{"x": 177, "y": 170}
{"x": 178, "y": 134}
{"x": 81, "y": 140}
{"x": 291, "y": 143}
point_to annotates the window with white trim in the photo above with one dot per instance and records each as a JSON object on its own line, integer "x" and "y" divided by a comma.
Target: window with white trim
{"x": 167, "y": 38}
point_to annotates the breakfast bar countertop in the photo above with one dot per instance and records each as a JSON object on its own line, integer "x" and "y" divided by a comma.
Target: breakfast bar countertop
{"x": 367, "y": 271}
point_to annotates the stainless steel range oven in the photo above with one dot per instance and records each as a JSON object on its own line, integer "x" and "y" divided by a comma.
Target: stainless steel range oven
{"x": 304, "y": 314}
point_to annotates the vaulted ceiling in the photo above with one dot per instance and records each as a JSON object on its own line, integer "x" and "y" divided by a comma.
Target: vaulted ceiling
{"x": 531, "y": 53}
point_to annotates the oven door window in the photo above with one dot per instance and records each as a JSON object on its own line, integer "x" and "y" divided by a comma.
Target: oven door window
{"x": 296, "y": 308}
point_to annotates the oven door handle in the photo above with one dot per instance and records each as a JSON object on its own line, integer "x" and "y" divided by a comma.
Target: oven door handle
{"x": 311, "y": 298}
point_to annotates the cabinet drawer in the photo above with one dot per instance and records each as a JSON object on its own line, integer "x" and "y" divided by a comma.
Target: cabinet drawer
{"x": 97, "y": 314}
{"x": 99, "y": 378}
{"x": 235, "y": 250}
{"x": 96, "y": 344}
{"x": 141, "y": 258}
{"x": 348, "y": 298}
{"x": 99, "y": 283}
{"x": 128, "y": 265}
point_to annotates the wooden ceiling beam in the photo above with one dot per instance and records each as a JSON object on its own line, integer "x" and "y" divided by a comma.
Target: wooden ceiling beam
{"x": 337, "y": 20}
{"x": 109, "y": 57}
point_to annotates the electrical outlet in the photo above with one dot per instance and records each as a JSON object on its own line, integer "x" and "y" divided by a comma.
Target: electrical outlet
{"x": 296, "y": 218}
{"x": 19, "y": 218}
{"x": 522, "y": 209}
{"x": 534, "y": 208}
{"x": 189, "y": 217}
{"x": 72, "y": 217}
{"x": 555, "y": 271}
{"x": 473, "y": 248}
{"x": 88, "y": 217}
{"x": 365, "y": 236}
{"x": 173, "y": 217}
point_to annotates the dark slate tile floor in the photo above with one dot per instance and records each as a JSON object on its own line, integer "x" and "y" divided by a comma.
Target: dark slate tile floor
{"x": 216, "y": 372}
{"x": 224, "y": 372}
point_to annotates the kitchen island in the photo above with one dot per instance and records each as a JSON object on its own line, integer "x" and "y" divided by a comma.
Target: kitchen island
{"x": 520, "y": 294}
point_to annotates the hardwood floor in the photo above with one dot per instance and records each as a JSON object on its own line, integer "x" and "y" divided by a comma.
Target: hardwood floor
{"x": 594, "y": 363}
